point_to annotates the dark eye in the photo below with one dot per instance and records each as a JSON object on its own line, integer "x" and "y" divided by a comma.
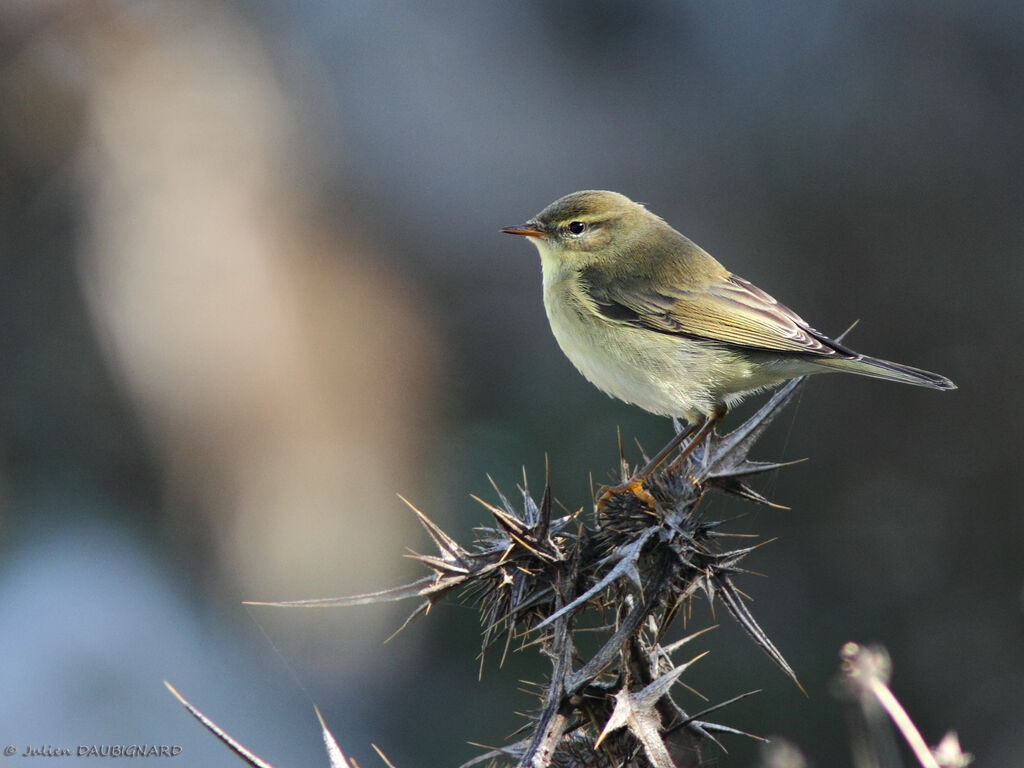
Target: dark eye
{"x": 577, "y": 227}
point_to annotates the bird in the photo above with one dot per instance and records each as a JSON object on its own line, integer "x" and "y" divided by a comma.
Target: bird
{"x": 649, "y": 317}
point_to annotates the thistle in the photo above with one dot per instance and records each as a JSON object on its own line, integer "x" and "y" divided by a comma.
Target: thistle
{"x": 624, "y": 571}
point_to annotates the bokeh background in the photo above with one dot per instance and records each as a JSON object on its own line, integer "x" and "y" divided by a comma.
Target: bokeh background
{"x": 252, "y": 287}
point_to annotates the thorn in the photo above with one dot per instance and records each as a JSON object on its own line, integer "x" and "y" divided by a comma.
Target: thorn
{"x": 680, "y": 643}
{"x": 852, "y": 326}
{"x": 334, "y": 753}
{"x": 443, "y": 541}
{"x": 623, "y": 465}
{"x": 382, "y": 756}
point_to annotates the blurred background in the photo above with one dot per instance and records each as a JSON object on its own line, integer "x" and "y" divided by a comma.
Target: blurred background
{"x": 252, "y": 287}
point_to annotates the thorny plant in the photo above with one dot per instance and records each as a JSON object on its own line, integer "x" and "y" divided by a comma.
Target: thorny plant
{"x": 624, "y": 573}
{"x": 634, "y": 566}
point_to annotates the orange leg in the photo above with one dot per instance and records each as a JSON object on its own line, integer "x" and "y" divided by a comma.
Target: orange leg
{"x": 635, "y": 484}
{"x": 706, "y": 428}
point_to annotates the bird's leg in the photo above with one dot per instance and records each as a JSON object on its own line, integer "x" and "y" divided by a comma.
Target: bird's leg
{"x": 635, "y": 484}
{"x": 706, "y": 429}
{"x": 663, "y": 454}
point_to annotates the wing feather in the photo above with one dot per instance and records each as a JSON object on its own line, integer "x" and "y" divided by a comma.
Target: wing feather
{"x": 732, "y": 311}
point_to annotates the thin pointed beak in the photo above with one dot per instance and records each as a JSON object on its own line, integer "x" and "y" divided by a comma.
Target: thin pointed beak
{"x": 529, "y": 230}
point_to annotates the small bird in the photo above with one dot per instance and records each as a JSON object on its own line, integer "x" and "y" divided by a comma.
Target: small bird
{"x": 649, "y": 317}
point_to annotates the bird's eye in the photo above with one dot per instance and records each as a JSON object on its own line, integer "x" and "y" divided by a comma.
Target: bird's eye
{"x": 577, "y": 227}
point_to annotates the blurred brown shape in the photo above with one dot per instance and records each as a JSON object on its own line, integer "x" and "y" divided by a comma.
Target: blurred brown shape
{"x": 283, "y": 371}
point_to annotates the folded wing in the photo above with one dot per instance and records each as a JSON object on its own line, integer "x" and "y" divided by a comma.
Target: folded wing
{"x": 732, "y": 311}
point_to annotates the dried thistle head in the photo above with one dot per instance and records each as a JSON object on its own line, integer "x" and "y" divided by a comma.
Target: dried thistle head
{"x": 633, "y": 563}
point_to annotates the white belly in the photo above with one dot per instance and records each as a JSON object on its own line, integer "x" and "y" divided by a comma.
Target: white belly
{"x": 668, "y": 378}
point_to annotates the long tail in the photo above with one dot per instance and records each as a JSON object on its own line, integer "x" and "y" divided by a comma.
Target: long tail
{"x": 883, "y": 369}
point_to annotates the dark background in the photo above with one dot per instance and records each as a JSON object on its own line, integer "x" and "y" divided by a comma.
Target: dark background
{"x": 252, "y": 286}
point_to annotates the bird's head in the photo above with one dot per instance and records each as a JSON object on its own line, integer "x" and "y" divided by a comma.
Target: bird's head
{"x": 587, "y": 228}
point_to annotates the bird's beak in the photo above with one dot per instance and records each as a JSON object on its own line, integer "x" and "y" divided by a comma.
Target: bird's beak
{"x": 529, "y": 230}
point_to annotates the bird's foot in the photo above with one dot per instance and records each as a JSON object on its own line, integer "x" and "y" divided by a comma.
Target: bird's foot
{"x": 634, "y": 485}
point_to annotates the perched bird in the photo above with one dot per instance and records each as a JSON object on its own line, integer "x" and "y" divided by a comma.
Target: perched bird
{"x": 649, "y": 317}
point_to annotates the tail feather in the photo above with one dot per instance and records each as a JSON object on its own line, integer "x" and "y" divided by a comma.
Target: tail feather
{"x": 883, "y": 369}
